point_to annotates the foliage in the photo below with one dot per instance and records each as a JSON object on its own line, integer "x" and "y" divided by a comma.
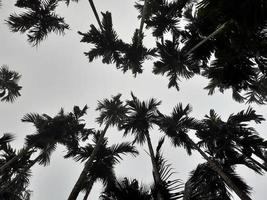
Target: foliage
{"x": 9, "y": 88}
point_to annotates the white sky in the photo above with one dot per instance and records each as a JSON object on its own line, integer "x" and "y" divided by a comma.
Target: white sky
{"x": 57, "y": 74}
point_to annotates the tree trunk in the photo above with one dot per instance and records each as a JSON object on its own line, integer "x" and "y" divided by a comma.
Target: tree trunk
{"x": 96, "y": 15}
{"x": 213, "y": 165}
{"x": 142, "y": 22}
{"x": 14, "y": 159}
{"x": 88, "y": 189}
{"x": 218, "y": 30}
{"x": 77, "y": 187}
{"x": 156, "y": 174}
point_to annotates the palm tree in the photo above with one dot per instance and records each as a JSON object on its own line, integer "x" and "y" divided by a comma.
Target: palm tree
{"x": 38, "y": 20}
{"x": 139, "y": 121}
{"x": 204, "y": 183}
{"x": 65, "y": 129}
{"x": 176, "y": 127}
{"x": 10, "y": 189}
{"x": 104, "y": 162}
{"x": 131, "y": 189}
{"x": 234, "y": 141}
{"x": 112, "y": 112}
{"x": 9, "y": 88}
{"x": 170, "y": 188}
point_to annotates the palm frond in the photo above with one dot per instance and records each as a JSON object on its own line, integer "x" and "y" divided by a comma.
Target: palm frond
{"x": 37, "y": 21}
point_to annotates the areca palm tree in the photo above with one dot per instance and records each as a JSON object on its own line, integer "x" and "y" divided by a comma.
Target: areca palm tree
{"x": 131, "y": 189}
{"x": 234, "y": 139}
{"x": 204, "y": 183}
{"x": 139, "y": 121}
{"x": 10, "y": 189}
{"x": 112, "y": 112}
{"x": 9, "y": 88}
{"x": 65, "y": 129}
{"x": 105, "y": 160}
{"x": 176, "y": 126}
{"x": 38, "y": 20}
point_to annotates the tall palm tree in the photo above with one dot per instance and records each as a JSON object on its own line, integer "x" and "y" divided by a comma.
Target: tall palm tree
{"x": 131, "y": 189}
{"x": 104, "y": 162}
{"x": 139, "y": 121}
{"x": 9, "y": 88}
{"x": 112, "y": 112}
{"x": 176, "y": 126}
{"x": 64, "y": 128}
{"x": 38, "y": 20}
{"x": 204, "y": 183}
{"x": 234, "y": 140}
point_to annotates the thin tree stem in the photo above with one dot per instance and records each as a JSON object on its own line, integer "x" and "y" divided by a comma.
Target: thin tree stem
{"x": 156, "y": 174}
{"x": 214, "y": 166}
{"x": 88, "y": 189}
{"x": 95, "y": 13}
{"x": 77, "y": 187}
{"x": 142, "y": 22}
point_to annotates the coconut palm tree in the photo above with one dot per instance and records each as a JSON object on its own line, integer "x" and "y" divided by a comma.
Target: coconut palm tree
{"x": 104, "y": 162}
{"x": 9, "y": 88}
{"x": 176, "y": 126}
{"x": 38, "y": 20}
{"x": 112, "y": 112}
{"x": 5, "y": 139}
{"x": 138, "y": 122}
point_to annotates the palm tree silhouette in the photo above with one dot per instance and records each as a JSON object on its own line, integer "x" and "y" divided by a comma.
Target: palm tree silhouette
{"x": 105, "y": 160}
{"x": 112, "y": 112}
{"x": 233, "y": 141}
{"x": 9, "y": 88}
{"x": 204, "y": 183}
{"x": 176, "y": 127}
{"x": 38, "y": 20}
{"x": 64, "y": 128}
{"x": 138, "y": 122}
{"x": 10, "y": 188}
{"x": 131, "y": 189}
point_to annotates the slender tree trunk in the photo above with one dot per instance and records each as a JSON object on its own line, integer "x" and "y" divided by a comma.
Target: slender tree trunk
{"x": 96, "y": 15}
{"x": 156, "y": 174}
{"x": 218, "y": 30}
{"x": 88, "y": 189}
{"x": 142, "y": 22}
{"x": 214, "y": 166}
{"x": 14, "y": 159}
{"x": 77, "y": 187}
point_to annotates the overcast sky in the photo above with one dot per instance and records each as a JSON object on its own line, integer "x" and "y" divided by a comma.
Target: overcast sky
{"x": 57, "y": 74}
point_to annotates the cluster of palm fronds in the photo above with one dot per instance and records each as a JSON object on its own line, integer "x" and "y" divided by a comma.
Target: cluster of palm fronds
{"x": 223, "y": 144}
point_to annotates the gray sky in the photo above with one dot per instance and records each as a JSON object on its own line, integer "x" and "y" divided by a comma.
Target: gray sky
{"x": 57, "y": 74}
